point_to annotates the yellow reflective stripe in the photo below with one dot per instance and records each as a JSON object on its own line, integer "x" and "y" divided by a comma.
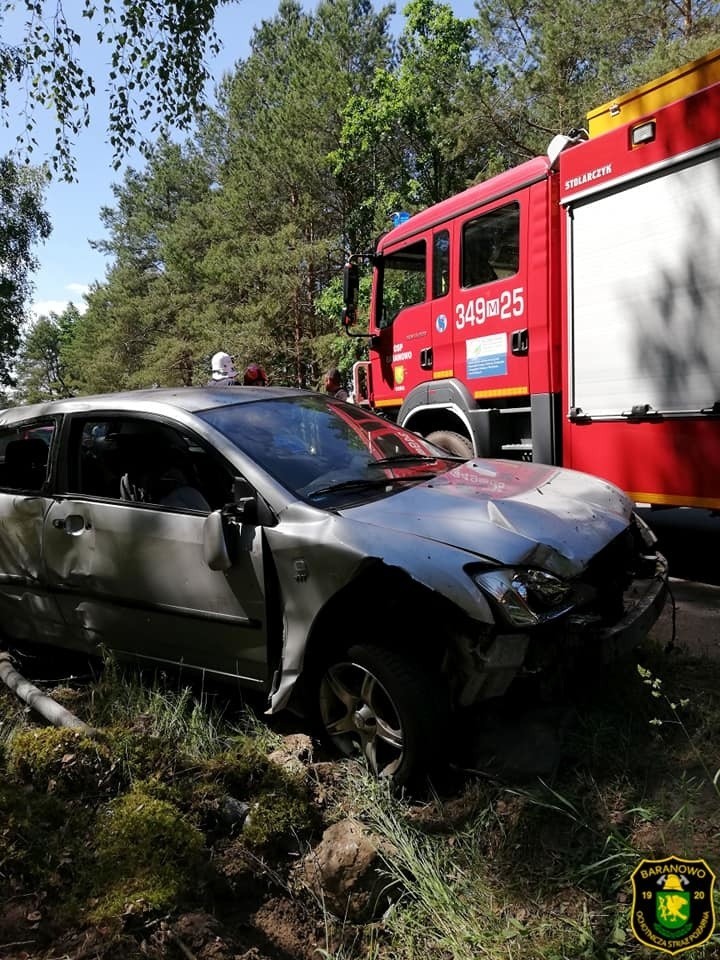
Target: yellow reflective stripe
{"x": 503, "y": 392}
{"x": 666, "y": 499}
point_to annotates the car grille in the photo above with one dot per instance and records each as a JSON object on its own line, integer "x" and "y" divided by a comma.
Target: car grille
{"x": 610, "y": 573}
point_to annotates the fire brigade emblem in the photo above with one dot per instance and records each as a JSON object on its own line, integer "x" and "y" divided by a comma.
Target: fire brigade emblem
{"x": 672, "y": 906}
{"x": 441, "y": 323}
{"x": 399, "y": 375}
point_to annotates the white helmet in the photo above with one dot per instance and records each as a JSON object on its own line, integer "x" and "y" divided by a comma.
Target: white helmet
{"x": 222, "y": 366}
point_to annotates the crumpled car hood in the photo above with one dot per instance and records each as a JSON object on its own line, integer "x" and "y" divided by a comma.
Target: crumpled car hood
{"x": 509, "y": 512}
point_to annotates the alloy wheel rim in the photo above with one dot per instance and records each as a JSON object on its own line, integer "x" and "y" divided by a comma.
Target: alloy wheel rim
{"x": 360, "y": 717}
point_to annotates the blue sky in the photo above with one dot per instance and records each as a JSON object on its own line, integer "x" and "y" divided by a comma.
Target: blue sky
{"x": 68, "y": 265}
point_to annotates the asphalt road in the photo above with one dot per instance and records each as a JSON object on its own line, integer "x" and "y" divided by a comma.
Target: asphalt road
{"x": 690, "y": 539}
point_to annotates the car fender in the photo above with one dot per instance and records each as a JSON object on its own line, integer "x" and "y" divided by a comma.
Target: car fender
{"x": 310, "y": 578}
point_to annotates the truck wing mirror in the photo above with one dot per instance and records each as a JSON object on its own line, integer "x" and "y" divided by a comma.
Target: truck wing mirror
{"x": 351, "y": 288}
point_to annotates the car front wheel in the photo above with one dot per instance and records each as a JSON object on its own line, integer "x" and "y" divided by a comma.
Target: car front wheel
{"x": 376, "y": 704}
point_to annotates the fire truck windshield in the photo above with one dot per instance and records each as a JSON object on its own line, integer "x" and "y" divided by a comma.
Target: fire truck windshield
{"x": 403, "y": 281}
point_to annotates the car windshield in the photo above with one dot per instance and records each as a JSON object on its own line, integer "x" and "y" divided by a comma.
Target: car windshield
{"x": 328, "y": 452}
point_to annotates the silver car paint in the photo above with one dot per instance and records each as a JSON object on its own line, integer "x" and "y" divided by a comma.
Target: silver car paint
{"x": 501, "y": 511}
{"x": 497, "y": 512}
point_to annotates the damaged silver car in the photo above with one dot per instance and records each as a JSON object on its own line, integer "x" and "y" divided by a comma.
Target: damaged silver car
{"x": 305, "y": 546}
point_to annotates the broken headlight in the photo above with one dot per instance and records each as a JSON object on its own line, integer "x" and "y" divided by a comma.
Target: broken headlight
{"x": 526, "y": 598}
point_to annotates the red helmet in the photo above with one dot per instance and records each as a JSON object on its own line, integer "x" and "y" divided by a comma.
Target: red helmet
{"x": 255, "y": 376}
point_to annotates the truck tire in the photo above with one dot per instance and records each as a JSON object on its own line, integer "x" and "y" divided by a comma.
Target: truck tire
{"x": 454, "y": 443}
{"x": 376, "y": 703}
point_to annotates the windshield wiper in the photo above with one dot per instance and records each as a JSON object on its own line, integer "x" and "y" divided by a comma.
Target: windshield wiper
{"x": 408, "y": 458}
{"x": 350, "y": 485}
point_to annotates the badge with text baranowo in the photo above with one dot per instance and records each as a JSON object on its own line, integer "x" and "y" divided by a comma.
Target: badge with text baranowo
{"x": 672, "y": 907}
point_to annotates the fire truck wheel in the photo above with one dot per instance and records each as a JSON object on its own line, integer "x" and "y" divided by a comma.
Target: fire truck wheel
{"x": 375, "y": 703}
{"x": 454, "y": 443}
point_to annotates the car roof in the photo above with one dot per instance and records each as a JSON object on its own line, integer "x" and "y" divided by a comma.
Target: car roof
{"x": 188, "y": 399}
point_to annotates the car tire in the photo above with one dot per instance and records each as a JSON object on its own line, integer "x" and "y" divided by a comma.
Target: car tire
{"x": 375, "y": 703}
{"x": 454, "y": 443}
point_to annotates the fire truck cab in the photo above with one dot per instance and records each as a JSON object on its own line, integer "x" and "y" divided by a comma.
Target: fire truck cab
{"x": 566, "y": 311}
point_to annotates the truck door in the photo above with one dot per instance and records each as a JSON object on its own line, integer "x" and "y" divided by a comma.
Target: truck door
{"x": 403, "y": 320}
{"x": 491, "y": 342}
{"x": 438, "y": 363}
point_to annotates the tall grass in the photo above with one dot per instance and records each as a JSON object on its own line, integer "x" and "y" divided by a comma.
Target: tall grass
{"x": 541, "y": 870}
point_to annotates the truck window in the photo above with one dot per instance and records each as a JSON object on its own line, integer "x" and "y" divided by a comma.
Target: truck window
{"x": 441, "y": 263}
{"x": 491, "y": 246}
{"x": 403, "y": 281}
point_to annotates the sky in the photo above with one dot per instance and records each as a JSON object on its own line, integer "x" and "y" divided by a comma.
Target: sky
{"x": 68, "y": 265}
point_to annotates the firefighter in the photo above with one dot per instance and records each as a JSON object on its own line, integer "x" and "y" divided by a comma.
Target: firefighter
{"x": 223, "y": 369}
{"x": 255, "y": 376}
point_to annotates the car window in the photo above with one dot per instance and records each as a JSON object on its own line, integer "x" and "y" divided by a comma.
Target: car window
{"x": 145, "y": 462}
{"x": 24, "y": 456}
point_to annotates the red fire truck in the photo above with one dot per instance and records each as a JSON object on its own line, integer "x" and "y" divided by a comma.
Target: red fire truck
{"x": 568, "y": 310}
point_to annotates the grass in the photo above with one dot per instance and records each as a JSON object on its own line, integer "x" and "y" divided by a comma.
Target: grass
{"x": 541, "y": 871}
{"x": 473, "y": 868}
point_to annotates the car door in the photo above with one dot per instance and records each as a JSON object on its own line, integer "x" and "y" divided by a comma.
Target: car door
{"x": 125, "y": 553}
{"x": 28, "y": 611}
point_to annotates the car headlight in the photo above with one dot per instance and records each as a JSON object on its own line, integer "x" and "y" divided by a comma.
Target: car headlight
{"x": 526, "y": 597}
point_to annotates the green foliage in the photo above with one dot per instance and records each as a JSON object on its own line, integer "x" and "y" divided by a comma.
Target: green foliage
{"x": 23, "y": 224}
{"x": 35, "y": 831}
{"x": 532, "y": 871}
{"x": 156, "y": 53}
{"x": 41, "y": 368}
{"x": 282, "y": 814}
{"x": 236, "y": 240}
{"x": 60, "y": 760}
{"x": 404, "y": 128}
{"x": 144, "y": 705}
{"x": 146, "y": 854}
{"x": 551, "y": 62}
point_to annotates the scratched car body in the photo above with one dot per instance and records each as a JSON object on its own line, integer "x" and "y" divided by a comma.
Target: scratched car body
{"x": 306, "y": 546}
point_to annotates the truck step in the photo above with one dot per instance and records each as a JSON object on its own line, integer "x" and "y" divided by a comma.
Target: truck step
{"x": 523, "y": 447}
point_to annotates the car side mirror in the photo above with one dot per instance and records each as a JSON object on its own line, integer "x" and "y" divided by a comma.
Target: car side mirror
{"x": 249, "y": 507}
{"x": 244, "y": 508}
{"x": 215, "y": 547}
{"x": 242, "y": 511}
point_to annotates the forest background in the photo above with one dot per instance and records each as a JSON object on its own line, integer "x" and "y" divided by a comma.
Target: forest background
{"x": 235, "y": 237}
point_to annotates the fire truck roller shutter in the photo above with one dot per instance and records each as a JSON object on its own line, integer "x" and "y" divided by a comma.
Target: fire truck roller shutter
{"x": 646, "y": 268}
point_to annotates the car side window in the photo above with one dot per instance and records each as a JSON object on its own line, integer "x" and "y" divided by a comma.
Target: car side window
{"x": 145, "y": 462}
{"x": 25, "y": 456}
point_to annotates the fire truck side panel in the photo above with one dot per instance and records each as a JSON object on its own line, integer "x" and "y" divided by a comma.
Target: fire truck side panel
{"x": 646, "y": 294}
{"x": 657, "y": 462}
{"x": 642, "y": 234}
